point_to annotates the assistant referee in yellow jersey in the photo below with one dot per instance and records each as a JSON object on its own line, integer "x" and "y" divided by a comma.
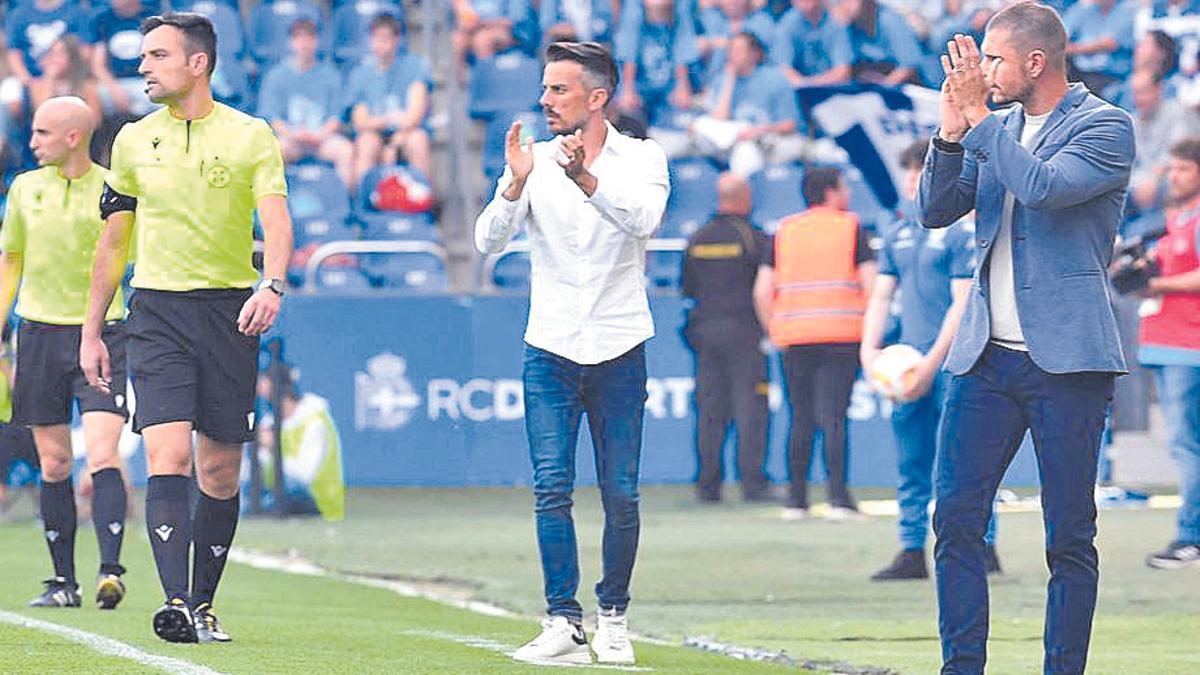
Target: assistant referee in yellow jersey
{"x": 187, "y": 179}
{"x": 49, "y": 237}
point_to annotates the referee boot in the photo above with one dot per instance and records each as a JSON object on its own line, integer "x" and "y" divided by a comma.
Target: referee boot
{"x": 59, "y": 593}
{"x": 110, "y": 590}
{"x": 208, "y": 628}
{"x": 173, "y": 622}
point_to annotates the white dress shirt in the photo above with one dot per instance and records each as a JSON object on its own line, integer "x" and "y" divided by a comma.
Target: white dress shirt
{"x": 587, "y": 300}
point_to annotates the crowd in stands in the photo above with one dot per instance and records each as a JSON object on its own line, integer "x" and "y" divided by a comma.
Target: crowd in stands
{"x": 711, "y": 80}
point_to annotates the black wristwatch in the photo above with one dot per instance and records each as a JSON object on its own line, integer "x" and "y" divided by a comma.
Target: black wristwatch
{"x": 945, "y": 145}
{"x": 275, "y": 285}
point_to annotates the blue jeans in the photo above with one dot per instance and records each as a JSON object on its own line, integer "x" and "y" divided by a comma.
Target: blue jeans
{"x": 987, "y": 413}
{"x": 1179, "y": 395}
{"x": 915, "y": 425}
{"x": 558, "y": 392}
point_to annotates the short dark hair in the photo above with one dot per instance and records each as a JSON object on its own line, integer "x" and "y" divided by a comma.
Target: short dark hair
{"x": 199, "y": 36}
{"x": 599, "y": 68}
{"x": 913, "y": 157}
{"x": 817, "y": 182}
{"x": 1032, "y": 25}
{"x": 1187, "y": 149}
{"x": 306, "y": 25}
{"x": 1166, "y": 44}
{"x": 388, "y": 21}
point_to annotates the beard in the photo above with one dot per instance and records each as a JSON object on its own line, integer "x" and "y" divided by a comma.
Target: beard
{"x": 1021, "y": 95}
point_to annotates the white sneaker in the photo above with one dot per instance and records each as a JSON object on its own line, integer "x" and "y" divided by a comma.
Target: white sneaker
{"x": 844, "y": 514}
{"x": 560, "y": 642}
{"x": 791, "y": 514}
{"x": 611, "y": 641}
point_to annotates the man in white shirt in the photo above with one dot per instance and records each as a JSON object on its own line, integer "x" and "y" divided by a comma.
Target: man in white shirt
{"x": 590, "y": 198}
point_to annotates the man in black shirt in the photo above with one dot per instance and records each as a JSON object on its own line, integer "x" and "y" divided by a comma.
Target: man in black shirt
{"x": 722, "y": 260}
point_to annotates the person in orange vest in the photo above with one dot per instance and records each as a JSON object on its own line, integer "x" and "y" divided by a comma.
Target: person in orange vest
{"x": 813, "y": 289}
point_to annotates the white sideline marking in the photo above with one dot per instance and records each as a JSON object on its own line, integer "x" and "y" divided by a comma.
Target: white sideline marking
{"x": 507, "y": 650}
{"x": 104, "y": 645}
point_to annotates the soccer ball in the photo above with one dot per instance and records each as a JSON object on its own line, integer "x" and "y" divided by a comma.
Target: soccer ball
{"x": 894, "y": 370}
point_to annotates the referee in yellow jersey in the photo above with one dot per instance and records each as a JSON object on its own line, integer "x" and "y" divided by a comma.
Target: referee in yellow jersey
{"x": 48, "y": 240}
{"x": 190, "y": 175}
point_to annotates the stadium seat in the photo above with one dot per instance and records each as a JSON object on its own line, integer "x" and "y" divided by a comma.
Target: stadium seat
{"x": 693, "y": 197}
{"x": 231, "y": 37}
{"x": 776, "y": 194}
{"x": 863, "y": 201}
{"x": 511, "y": 272}
{"x": 664, "y": 271}
{"x": 231, "y": 85}
{"x": 493, "y": 139}
{"x": 417, "y": 272}
{"x": 319, "y": 204}
{"x": 271, "y": 23}
{"x": 342, "y": 279}
{"x": 362, "y": 203}
{"x": 384, "y": 226}
{"x": 349, "y": 27}
{"x": 504, "y": 84}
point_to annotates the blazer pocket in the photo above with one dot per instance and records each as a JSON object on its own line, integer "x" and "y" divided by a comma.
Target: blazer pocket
{"x": 1081, "y": 274}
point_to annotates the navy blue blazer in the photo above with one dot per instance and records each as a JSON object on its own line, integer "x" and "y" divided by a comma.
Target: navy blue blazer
{"x": 1069, "y": 195}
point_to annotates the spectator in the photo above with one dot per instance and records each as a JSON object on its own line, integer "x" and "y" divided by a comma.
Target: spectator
{"x": 481, "y": 25}
{"x": 31, "y": 28}
{"x": 307, "y": 119}
{"x": 578, "y": 20}
{"x": 886, "y": 48}
{"x": 116, "y": 53}
{"x": 1157, "y": 125}
{"x": 656, "y": 47}
{"x": 724, "y": 332}
{"x": 751, "y": 115}
{"x": 1156, "y": 53}
{"x": 813, "y": 291}
{"x": 812, "y": 48}
{"x": 718, "y": 26}
{"x": 349, "y": 29}
{"x": 269, "y": 22}
{"x": 1100, "y": 41}
{"x": 1170, "y": 343}
{"x": 388, "y": 99}
{"x": 64, "y": 73}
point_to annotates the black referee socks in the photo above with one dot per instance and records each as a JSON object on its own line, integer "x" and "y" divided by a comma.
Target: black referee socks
{"x": 108, "y": 515}
{"x": 169, "y": 522}
{"x": 216, "y": 522}
{"x": 58, "y": 517}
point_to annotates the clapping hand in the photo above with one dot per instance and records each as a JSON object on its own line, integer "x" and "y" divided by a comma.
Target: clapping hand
{"x": 519, "y": 159}
{"x": 966, "y": 80}
{"x": 572, "y": 154}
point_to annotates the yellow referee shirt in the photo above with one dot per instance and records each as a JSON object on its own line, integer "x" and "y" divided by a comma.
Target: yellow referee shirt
{"x": 54, "y": 223}
{"x": 197, "y": 183}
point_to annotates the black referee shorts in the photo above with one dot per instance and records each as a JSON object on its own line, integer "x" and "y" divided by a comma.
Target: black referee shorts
{"x": 189, "y": 363}
{"x": 49, "y": 379}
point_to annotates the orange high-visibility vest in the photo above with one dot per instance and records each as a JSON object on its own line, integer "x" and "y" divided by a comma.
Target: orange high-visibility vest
{"x": 818, "y": 298}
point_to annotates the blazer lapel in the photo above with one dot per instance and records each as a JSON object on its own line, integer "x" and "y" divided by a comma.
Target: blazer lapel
{"x": 1074, "y": 97}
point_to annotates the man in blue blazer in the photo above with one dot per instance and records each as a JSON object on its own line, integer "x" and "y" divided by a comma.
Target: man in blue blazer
{"x": 1037, "y": 349}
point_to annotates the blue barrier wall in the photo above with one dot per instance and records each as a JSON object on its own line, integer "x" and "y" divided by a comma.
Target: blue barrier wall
{"x": 427, "y": 391}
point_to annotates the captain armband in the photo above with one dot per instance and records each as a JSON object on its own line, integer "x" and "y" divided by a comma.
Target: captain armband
{"x": 112, "y": 202}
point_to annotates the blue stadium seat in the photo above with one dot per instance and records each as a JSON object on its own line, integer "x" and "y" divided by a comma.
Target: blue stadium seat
{"x": 693, "y": 197}
{"x": 349, "y": 27}
{"x": 418, "y": 272}
{"x": 231, "y": 85}
{"x": 776, "y": 194}
{"x": 385, "y": 226}
{"x": 664, "y": 271}
{"x": 271, "y": 23}
{"x": 319, "y": 203}
{"x": 342, "y": 280}
{"x": 231, "y": 37}
{"x": 362, "y": 203}
{"x": 504, "y": 84}
{"x": 512, "y": 272}
{"x": 493, "y": 139}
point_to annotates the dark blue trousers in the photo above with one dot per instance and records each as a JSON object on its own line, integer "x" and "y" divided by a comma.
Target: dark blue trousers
{"x": 988, "y": 411}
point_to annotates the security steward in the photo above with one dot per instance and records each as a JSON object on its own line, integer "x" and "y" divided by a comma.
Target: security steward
{"x": 814, "y": 290}
{"x": 725, "y": 333}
